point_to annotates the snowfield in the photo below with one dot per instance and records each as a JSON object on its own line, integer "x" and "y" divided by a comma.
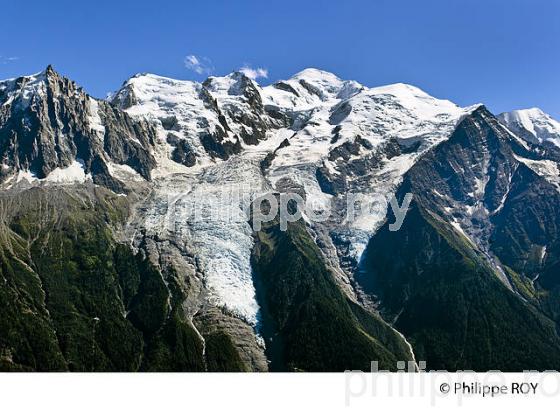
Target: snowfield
{"x": 533, "y": 124}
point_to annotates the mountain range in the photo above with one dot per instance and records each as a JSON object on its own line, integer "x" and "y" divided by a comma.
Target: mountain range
{"x": 125, "y": 243}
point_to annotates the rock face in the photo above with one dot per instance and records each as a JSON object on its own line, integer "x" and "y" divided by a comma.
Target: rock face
{"x": 175, "y": 275}
{"x": 199, "y": 122}
{"x": 464, "y": 271}
{"x": 48, "y": 123}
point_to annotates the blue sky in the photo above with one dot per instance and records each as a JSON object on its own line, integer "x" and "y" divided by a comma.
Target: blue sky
{"x": 503, "y": 53}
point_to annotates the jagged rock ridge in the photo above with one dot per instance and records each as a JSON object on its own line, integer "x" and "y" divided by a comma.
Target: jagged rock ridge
{"x": 51, "y": 127}
{"x": 175, "y": 147}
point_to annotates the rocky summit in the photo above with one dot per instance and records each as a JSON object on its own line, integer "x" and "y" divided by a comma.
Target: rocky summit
{"x": 128, "y": 239}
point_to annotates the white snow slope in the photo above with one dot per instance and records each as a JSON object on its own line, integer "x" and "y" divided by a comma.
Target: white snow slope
{"x": 533, "y": 124}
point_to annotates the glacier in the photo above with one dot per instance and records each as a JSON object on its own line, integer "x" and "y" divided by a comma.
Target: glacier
{"x": 319, "y": 105}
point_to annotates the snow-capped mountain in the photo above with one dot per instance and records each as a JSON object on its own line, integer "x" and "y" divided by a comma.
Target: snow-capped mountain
{"x": 357, "y": 140}
{"x": 158, "y": 182}
{"x": 314, "y": 132}
{"x": 328, "y": 136}
{"x": 534, "y": 125}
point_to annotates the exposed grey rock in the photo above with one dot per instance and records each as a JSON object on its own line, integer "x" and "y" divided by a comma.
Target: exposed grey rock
{"x": 48, "y": 122}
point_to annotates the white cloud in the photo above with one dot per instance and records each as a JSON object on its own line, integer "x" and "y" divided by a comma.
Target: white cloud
{"x": 200, "y": 65}
{"x": 254, "y": 73}
{"x": 7, "y": 60}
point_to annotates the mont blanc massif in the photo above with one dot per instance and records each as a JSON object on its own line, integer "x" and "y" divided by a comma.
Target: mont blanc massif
{"x": 118, "y": 251}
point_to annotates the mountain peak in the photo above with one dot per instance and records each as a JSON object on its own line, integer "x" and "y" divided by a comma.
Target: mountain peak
{"x": 50, "y": 70}
{"x": 404, "y": 90}
{"x": 532, "y": 112}
{"x": 234, "y": 83}
{"x": 525, "y": 113}
{"x": 312, "y": 73}
{"x": 323, "y": 84}
{"x": 533, "y": 124}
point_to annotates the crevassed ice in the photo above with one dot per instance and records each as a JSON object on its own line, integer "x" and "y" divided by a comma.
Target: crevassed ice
{"x": 206, "y": 211}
